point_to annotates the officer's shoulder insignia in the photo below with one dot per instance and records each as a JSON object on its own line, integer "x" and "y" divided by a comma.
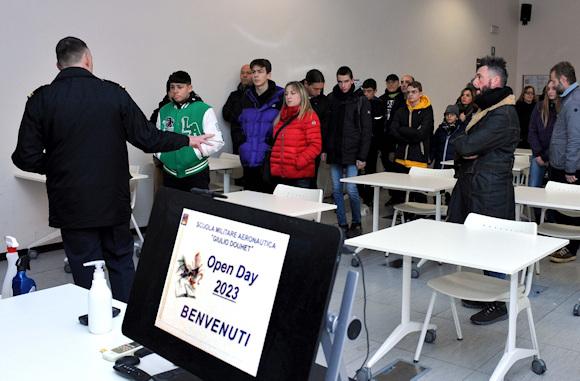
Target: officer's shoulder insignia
{"x": 36, "y": 91}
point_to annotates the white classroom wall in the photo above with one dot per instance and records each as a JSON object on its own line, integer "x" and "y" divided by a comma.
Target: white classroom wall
{"x": 550, "y": 37}
{"x": 139, "y": 43}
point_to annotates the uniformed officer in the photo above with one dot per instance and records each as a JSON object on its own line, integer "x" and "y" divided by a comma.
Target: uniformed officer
{"x": 75, "y": 131}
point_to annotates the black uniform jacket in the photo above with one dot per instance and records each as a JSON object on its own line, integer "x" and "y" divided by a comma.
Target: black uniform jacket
{"x": 75, "y": 131}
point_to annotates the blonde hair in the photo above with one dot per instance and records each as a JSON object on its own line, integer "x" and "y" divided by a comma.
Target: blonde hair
{"x": 305, "y": 106}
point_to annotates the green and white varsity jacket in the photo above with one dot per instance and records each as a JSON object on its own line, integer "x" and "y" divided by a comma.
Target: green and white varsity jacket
{"x": 195, "y": 118}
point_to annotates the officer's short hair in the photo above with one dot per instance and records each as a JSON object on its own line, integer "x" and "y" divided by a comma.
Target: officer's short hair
{"x": 69, "y": 51}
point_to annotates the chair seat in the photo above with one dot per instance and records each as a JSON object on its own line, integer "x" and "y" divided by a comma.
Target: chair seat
{"x": 559, "y": 230}
{"x": 473, "y": 286}
{"x": 419, "y": 208}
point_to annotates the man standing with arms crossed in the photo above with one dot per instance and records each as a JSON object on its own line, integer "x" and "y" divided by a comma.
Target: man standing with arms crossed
{"x": 75, "y": 131}
{"x": 484, "y": 158}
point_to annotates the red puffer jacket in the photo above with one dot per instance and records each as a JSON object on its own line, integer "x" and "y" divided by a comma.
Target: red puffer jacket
{"x": 297, "y": 146}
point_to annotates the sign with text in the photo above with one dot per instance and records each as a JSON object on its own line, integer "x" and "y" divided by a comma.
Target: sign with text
{"x": 220, "y": 287}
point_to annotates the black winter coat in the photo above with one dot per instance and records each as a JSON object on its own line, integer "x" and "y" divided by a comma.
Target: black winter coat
{"x": 392, "y": 102}
{"x": 75, "y": 131}
{"x": 230, "y": 112}
{"x": 485, "y": 184}
{"x": 347, "y": 136}
{"x": 413, "y": 138}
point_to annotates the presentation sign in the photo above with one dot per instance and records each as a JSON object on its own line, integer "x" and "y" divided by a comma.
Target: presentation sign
{"x": 220, "y": 287}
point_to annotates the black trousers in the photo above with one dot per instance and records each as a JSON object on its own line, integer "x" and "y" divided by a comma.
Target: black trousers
{"x": 113, "y": 244}
{"x": 560, "y": 176}
{"x": 254, "y": 181}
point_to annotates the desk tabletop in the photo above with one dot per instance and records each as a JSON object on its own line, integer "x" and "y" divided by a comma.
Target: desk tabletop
{"x": 538, "y": 197}
{"x": 43, "y": 340}
{"x": 42, "y": 178}
{"x": 403, "y": 181}
{"x": 282, "y": 205}
{"x": 504, "y": 252}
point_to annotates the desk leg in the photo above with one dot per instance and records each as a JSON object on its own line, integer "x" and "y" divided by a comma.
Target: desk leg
{"x": 511, "y": 353}
{"x": 376, "y": 194}
{"x": 226, "y": 181}
{"x": 437, "y": 218}
{"x": 406, "y": 326}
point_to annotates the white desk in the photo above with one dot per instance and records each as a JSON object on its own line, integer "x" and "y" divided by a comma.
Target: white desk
{"x": 30, "y": 176}
{"x": 282, "y": 205}
{"x": 225, "y": 164}
{"x": 43, "y": 340}
{"x": 403, "y": 182}
{"x": 521, "y": 164}
{"x": 539, "y": 198}
{"x": 502, "y": 252}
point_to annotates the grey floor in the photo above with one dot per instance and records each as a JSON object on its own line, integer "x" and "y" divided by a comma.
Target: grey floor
{"x": 557, "y": 289}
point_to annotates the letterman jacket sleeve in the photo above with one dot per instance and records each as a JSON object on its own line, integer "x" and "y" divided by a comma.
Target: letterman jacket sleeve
{"x": 210, "y": 126}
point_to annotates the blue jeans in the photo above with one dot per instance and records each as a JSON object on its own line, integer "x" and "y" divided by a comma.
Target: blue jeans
{"x": 337, "y": 172}
{"x": 537, "y": 173}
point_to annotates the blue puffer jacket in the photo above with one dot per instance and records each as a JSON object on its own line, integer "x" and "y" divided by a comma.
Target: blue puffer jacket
{"x": 257, "y": 119}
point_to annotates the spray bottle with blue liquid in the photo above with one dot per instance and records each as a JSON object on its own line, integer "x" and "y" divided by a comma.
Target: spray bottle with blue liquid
{"x": 21, "y": 283}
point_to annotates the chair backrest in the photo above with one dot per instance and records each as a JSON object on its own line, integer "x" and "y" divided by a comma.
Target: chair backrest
{"x": 134, "y": 170}
{"x": 481, "y": 222}
{"x": 229, "y": 156}
{"x": 571, "y": 189}
{"x": 303, "y": 194}
{"x": 417, "y": 171}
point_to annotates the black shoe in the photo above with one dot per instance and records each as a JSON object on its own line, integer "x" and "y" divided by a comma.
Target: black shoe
{"x": 344, "y": 229}
{"x": 354, "y": 231}
{"x": 472, "y": 304}
{"x": 491, "y": 313}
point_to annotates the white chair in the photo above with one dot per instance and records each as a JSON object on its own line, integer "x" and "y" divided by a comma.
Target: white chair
{"x": 303, "y": 194}
{"x": 421, "y": 208}
{"x": 560, "y": 230}
{"x": 521, "y": 177}
{"x": 134, "y": 170}
{"x": 479, "y": 287}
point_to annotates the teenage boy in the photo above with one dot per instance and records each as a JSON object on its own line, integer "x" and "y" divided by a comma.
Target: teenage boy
{"x": 261, "y": 104}
{"x": 442, "y": 142}
{"x": 186, "y": 114}
{"x": 346, "y": 143}
{"x": 369, "y": 88}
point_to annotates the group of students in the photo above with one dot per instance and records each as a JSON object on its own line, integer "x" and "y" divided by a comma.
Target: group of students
{"x": 351, "y": 129}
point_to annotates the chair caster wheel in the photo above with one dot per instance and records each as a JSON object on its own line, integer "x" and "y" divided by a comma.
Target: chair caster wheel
{"x": 539, "y": 366}
{"x": 415, "y": 273}
{"x": 354, "y": 262}
{"x": 32, "y": 254}
{"x": 431, "y": 336}
{"x": 577, "y": 309}
{"x": 67, "y": 268}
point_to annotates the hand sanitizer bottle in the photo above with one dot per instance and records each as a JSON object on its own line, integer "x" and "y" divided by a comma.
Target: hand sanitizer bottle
{"x": 100, "y": 301}
{"x": 11, "y": 258}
